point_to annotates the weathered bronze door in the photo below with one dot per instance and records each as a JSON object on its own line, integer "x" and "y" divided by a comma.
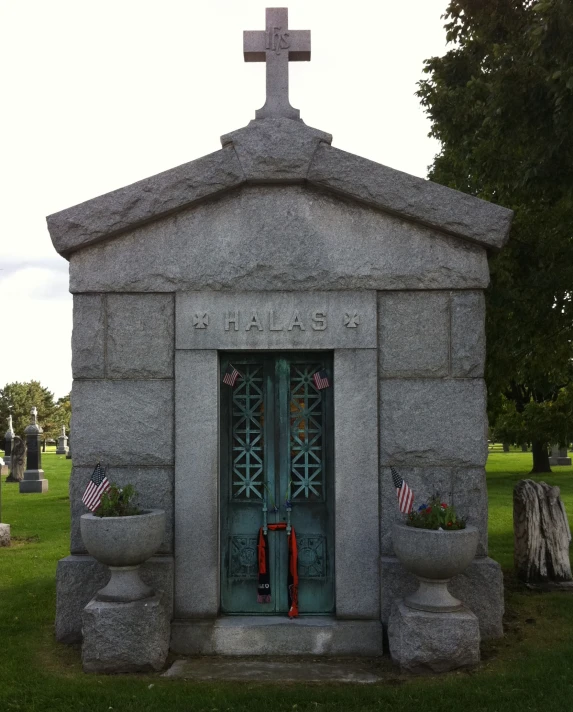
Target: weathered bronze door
{"x": 276, "y": 449}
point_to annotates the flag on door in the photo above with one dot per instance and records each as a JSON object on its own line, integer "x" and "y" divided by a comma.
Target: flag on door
{"x": 320, "y": 379}
{"x": 405, "y": 494}
{"x": 230, "y": 376}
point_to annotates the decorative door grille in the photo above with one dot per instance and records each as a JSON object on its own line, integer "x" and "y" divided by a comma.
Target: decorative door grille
{"x": 248, "y": 434}
{"x": 276, "y": 464}
{"x": 306, "y": 434}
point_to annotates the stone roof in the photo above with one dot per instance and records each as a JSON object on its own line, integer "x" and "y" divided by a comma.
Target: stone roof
{"x": 280, "y": 151}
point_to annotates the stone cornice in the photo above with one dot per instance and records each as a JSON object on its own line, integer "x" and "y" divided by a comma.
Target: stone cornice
{"x": 280, "y": 151}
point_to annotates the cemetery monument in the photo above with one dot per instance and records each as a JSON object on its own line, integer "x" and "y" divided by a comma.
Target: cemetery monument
{"x": 8, "y": 440}
{"x": 33, "y": 480}
{"x": 62, "y": 448}
{"x": 17, "y": 460}
{"x": 558, "y": 456}
{"x": 281, "y": 258}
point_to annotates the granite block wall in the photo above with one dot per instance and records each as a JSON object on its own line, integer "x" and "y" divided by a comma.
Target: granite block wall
{"x": 433, "y": 427}
{"x": 432, "y": 424}
{"x": 122, "y": 399}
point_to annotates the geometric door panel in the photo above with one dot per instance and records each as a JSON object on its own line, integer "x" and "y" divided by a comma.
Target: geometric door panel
{"x": 277, "y": 454}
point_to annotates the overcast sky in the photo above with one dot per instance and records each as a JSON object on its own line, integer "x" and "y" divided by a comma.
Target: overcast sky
{"x": 98, "y": 94}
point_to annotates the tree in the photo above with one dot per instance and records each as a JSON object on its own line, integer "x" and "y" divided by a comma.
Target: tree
{"x": 501, "y": 103}
{"x": 60, "y": 415}
{"x": 547, "y": 422}
{"x": 19, "y": 399}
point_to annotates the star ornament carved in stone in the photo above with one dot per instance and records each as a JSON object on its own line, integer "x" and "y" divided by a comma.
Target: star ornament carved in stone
{"x": 201, "y": 320}
{"x": 351, "y": 320}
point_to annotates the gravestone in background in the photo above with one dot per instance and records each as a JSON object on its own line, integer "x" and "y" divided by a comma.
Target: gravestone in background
{"x": 280, "y": 254}
{"x": 17, "y": 460}
{"x": 62, "y": 448}
{"x": 33, "y": 480}
{"x": 559, "y": 456}
{"x": 8, "y": 440}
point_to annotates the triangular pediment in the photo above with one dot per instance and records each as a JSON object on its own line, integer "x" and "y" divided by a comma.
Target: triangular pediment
{"x": 280, "y": 151}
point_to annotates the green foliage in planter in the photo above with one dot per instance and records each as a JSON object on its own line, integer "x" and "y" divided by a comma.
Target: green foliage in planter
{"x": 435, "y": 515}
{"x": 117, "y": 502}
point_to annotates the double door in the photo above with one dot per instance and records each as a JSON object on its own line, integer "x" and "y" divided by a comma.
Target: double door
{"x": 277, "y": 455}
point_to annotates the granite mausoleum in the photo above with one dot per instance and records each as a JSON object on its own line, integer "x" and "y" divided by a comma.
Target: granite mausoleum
{"x": 280, "y": 255}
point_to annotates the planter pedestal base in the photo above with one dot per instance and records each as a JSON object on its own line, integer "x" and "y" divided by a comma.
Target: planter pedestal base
{"x": 125, "y": 637}
{"x": 433, "y": 595}
{"x": 124, "y": 586}
{"x": 425, "y": 642}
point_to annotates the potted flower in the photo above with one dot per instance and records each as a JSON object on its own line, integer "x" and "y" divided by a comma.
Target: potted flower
{"x": 122, "y": 536}
{"x": 435, "y": 545}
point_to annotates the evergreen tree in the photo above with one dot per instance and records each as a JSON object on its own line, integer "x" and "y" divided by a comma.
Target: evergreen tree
{"x": 19, "y": 399}
{"x": 501, "y": 103}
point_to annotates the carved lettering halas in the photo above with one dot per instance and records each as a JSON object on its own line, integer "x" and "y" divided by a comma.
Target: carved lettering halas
{"x": 232, "y": 318}
{"x": 319, "y": 321}
{"x": 276, "y": 320}
{"x": 254, "y": 321}
{"x": 272, "y": 325}
{"x": 295, "y": 320}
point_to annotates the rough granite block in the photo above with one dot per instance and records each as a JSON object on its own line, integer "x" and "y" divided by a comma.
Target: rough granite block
{"x": 88, "y": 336}
{"x": 79, "y": 578}
{"x": 277, "y": 635}
{"x": 197, "y": 485}
{"x": 154, "y": 486}
{"x": 414, "y": 334}
{"x": 119, "y": 423}
{"x": 463, "y": 487}
{"x": 231, "y": 244}
{"x": 356, "y": 512}
{"x": 469, "y": 490}
{"x": 480, "y": 588}
{"x": 411, "y": 197}
{"x": 145, "y": 200}
{"x": 433, "y": 422}
{"x": 140, "y": 335}
{"x": 423, "y": 642}
{"x": 276, "y": 149}
{"x": 468, "y": 334}
{"x": 125, "y": 637}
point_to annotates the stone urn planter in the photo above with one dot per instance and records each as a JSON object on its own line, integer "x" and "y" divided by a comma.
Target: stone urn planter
{"x": 434, "y": 557}
{"x": 123, "y": 544}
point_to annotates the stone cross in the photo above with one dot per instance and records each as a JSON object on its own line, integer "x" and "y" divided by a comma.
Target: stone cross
{"x": 277, "y": 45}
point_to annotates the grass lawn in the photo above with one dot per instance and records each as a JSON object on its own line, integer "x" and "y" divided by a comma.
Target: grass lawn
{"x": 529, "y": 669}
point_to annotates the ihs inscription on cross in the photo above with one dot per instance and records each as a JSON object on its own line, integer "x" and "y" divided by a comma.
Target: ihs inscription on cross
{"x": 276, "y": 46}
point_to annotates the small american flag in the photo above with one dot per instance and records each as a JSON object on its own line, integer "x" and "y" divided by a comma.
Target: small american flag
{"x": 320, "y": 379}
{"x": 405, "y": 494}
{"x": 230, "y": 376}
{"x": 97, "y": 485}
